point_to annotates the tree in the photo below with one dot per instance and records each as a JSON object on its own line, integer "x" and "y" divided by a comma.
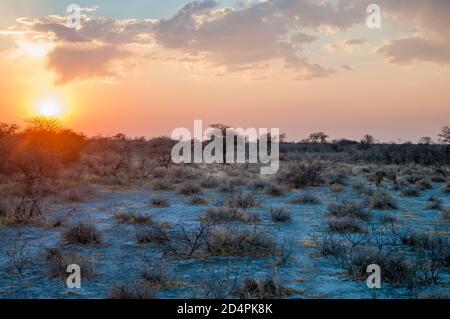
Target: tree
{"x": 318, "y": 137}
{"x": 8, "y": 129}
{"x": 444, "y": 137}
{"x": 43, "y": 124}
{"x": 425, "y": 140}
{"x": 368, "y": 139}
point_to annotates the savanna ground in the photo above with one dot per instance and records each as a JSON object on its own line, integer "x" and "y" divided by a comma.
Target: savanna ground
{"x": 142, "y": 227}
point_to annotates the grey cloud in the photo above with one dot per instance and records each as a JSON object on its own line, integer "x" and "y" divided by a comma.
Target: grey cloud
{"x": 405, "y": 51}
{"x": 71, "y": 62}
{"x": 430, "y": 42}
{"x": 254, "y": 34}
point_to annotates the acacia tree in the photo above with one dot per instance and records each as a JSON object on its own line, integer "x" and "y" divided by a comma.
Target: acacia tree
{"x": 444, "y": 137}
{"x": 318, "y": 137}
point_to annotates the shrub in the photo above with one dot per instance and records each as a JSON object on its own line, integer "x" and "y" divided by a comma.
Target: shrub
{"x": 243, "y": 200}
{"x": 280, "y": 215}
{"x": 263, "y": 288}
{"x": 155, "y": 233}
{"x": 19, "y": 256}
{"x": 436, "y": 248}
{"x": 396, "y": 269}
{"x": 274, "y": 190}
{"x": 161, "y": 184}
{"x": 329, "y": 245}
{"x": 362, "y": 188}
{"x": 424, "y": 184}
{"x": 446, "y": 215}
{"x": 198, "y": 200}
{"x": 159, "y": 202}
{"x": 435, "y": 203}
{"x": 306, "y": 198}
{"x": 348, "y": 210}
{"x": 189, "y": 189}
{"x": 132, "y": 292}
{"x": 303, "y": 173}
{"x": 84, "y": 233}
{"x": 259, "y": 184}
{"x": 240, "y": 242}
{"x": 410, "y": 191}
{"x": 132, "y": 218}
{"x": 345, "y": 226}
{"x": 382, "y": 200}
{"x": 220, "y": 283}
{"x": 209, "y": 182}
{"x": 157, "y": 275}
{"x": 227, "y": 214}
{"x": 446, "y": 188}
{"x": 58, "y": 262}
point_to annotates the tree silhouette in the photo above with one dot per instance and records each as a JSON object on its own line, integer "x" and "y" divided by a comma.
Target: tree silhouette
{"x": 318, "y": 137}
{"x": 444, "y": 137}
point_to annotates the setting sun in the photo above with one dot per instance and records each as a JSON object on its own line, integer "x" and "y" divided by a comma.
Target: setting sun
{"x": 49, "y": 107}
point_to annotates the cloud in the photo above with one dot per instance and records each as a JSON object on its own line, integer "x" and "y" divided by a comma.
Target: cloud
{"x": 405, "y": 51}
{"x": 258, "y": 33}
{"x": 252, "y": 36}
{"x": 100, "y": 49}
{"x": 429, "y": 42}
{"x": 346, "y": 45}
{"x": 81, "y": 62}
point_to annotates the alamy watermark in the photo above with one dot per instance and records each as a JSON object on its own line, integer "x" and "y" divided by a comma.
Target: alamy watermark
{"x": 73, "y": 280}
{"x": 373, "y": 20}
{"x": 228, "y": 145}
{"x": 374, "y": 280}
{"x": 74, "y": 17}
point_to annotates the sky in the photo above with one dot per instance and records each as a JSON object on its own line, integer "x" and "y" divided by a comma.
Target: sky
{"x": 146, "y": 67}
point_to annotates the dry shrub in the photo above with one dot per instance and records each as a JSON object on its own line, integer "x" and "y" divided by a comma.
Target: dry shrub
{"x": 345, "y": 226}
{"x": 348, "y": 210}
{"x": 305, "y": 198}
{"x": 238, "y": 241}
{"x": 226, "y": 214}
{"x": 189, "y": 189}
{"x": 58, "y": 262}
{"x": 264, "y": 288}
{"x": 382, "y": 200}
{"x": 303, "y": 173}
{"x": 132, "y": 218}
{"x": 159, "y": 202}
{"x": 280, "y": 214}
{"x": 84, "y": 233}
{"x": 135, "y": 292}
{"x": 198, "y": 200}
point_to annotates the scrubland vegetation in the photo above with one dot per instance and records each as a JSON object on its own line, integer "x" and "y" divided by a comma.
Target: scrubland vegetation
{"x": 114, "y": 205}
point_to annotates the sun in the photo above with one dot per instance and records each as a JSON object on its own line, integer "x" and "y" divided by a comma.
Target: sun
{"x": 50, "y": 107}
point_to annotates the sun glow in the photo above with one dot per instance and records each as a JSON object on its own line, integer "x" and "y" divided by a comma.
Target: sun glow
{"x": 34, "y": 50}
{"x": 50, "y": 107}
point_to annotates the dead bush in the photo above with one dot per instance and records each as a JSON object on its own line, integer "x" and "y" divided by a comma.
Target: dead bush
{"x": 135, "y": 292}
{"x": 303, "y": 173}
{"x": 382, "y": 200}
{"x": 132, "y": 218}
{"x": 238, "y": 241}
{"x": 348, "y": 210}
{"x": 58, "y": 262}
{"x": 84, "y": 233}
{"x": 280, "y": 214}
